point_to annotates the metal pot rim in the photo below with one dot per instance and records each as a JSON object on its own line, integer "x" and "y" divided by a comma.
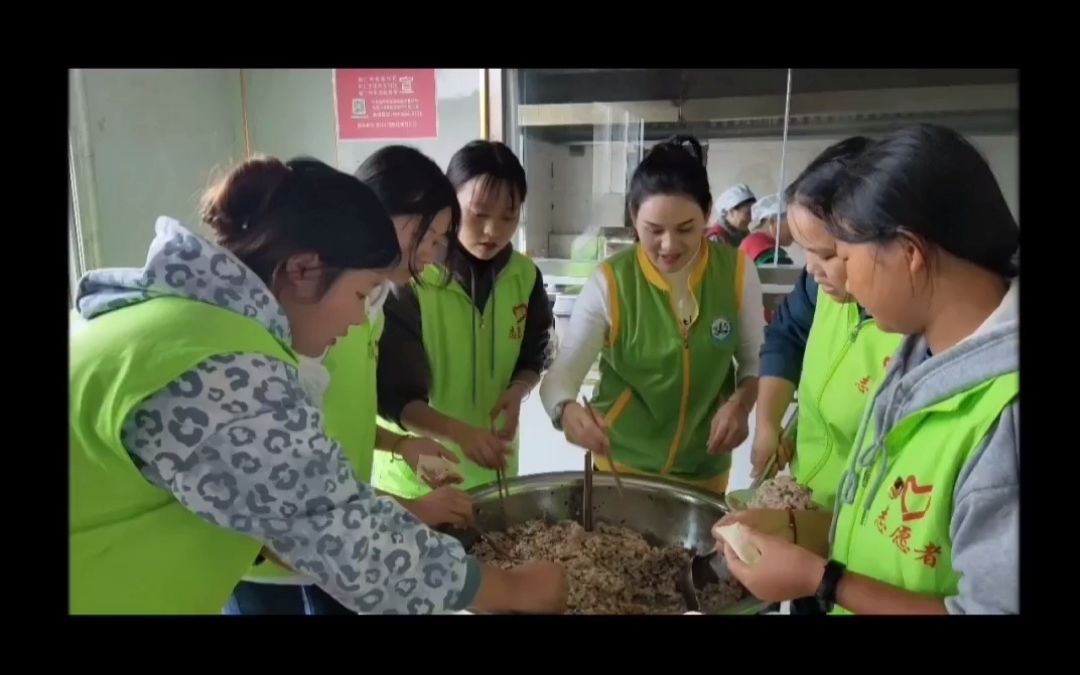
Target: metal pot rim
{"x": 669, "y": 486}
{"x": 673, "y": 489}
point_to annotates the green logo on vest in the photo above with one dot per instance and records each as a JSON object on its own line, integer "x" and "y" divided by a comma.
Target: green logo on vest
{"x": 721, "y": 329}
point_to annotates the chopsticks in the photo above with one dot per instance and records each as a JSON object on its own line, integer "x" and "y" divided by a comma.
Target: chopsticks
{"x": 500, "y": 482}
{"x": 770, "y": 466}
{"x": 611, "y": 457}
{"x": 504, "y": 493}
{"x": 766, "y": 474}
{"x": 586, "y": 495}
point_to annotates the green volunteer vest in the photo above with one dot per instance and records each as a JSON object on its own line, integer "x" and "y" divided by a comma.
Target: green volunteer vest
{"x": 351, "y": 400}
{"x": 660, "y": 385}
{"x": 472, "y": 356}
{"x": 133, "y": 548}
{"x": 844, "y": 362}
{"x": 349, "y": 409}
{"x": 904, "y": 539}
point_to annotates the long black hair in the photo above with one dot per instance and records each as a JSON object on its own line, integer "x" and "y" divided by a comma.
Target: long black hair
{"x": 928, "y": 183}
{"x": 673, "y": 167}
{"x": 409, "y": 183}
{"x": 815, "y": 188}
{"x": 266, "y": 210}
{"x": 494, "y": 164}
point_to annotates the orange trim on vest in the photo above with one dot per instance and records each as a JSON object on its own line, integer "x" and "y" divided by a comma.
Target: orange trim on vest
{"x": 656, "y": 278}
{"x": 716, "y": 484}
{"x": 618, "y": 407}
{"x": 613, "y": 302}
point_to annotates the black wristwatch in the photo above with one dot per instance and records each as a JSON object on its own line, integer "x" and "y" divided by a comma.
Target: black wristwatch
{"x": 826, "y": 591}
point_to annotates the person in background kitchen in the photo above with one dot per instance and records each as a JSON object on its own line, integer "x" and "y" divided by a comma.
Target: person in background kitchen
{"x": 465, "y": 344}
{"x": 769, "y": 224}
{"x": 666, "y": 316}
{"x": 194, "y": 446}
{"x": 424, "y": 210}
{"x": 733, "y": 215}
{"x": 930, "y": 249}
{"x": 822, "y": 342}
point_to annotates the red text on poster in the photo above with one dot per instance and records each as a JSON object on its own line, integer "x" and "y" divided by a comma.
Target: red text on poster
{"x": 386, "y": 104}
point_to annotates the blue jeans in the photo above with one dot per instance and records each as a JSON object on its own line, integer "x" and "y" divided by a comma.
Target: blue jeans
{"x": 321, "y": 603}
{"x": 266, "y": 599}
{"x": 255, "y": 599}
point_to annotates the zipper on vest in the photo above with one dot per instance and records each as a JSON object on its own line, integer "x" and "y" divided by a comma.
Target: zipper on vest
{"x": 858, "y": 327}
{"x": 684, "y": 401}
{"x": 482, "y": 313}
{"x": 472, "y": 305}
{"x": 821, "y": 392}
{"x": 867, "y": 496}
{"x": 829, "y": 440}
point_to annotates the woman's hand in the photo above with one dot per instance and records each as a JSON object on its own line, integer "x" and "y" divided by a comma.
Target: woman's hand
{"x": 774, "y": 522}
{"x": 768, "y": 442}
{"x": 532, "y": 588}
{"x": 784, "y": 571}
{"x": 730, "y": 427}
{"x": 509, "y": 406}
{"x": 539, "y": 588}
{"x": 443, "y": 506}
{"x": 482, "y": 446}
{"x": 584, "y": 429}
{"x": 411, "y": 448}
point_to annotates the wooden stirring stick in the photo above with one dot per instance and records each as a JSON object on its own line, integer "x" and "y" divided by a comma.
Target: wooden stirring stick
{"x": 586, "y": 497}
{"x": 500, "y": 481}
{"x": 611, "y": 455}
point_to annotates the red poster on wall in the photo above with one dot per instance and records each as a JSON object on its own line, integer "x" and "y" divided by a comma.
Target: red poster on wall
{"x": 386, "y": 104}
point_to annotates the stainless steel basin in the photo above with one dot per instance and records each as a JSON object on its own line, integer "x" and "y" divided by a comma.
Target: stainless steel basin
{"x": 664, "y": 512}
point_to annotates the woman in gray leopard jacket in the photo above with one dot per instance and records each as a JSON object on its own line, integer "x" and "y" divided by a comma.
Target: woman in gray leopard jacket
{"x": 237, "y": 441}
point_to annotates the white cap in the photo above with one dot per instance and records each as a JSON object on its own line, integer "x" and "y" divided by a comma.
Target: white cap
{"x": 769, "y": 206}
{"x": 732, "y": 197}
